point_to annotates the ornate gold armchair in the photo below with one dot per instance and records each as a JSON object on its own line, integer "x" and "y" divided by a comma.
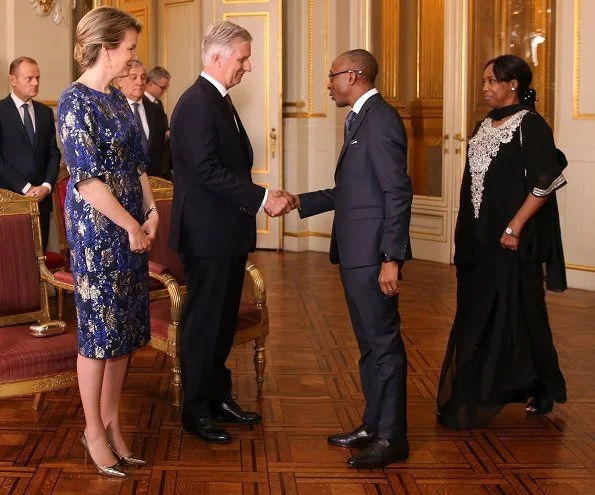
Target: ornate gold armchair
{"x": 253, "y": 323}
{"x": 28, "y": 365}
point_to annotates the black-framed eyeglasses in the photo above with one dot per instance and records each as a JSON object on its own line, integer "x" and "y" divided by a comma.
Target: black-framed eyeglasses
{"x": 333, "y": 74}
{"x": 163, "y": 88}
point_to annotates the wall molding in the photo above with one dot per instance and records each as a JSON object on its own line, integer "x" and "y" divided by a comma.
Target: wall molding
{"x": 577, "y": 114}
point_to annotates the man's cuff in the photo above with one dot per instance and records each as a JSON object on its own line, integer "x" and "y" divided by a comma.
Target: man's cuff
{"x": 48, "y": 185}
{"x": 264, "y": 200}
{"x": 26, "y": 188}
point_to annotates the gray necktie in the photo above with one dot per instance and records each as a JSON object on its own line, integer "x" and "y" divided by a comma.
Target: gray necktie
{"x": 28, "y": 123}
{"x": 349, "y": 120}
{"x": 143, "y": 136}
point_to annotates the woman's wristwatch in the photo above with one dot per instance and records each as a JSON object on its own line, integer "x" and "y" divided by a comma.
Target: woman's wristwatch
{"x": 510, "y": 232}
{"x": 149, "y": 211}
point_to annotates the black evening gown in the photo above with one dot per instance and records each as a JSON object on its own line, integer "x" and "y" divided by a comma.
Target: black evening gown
{"x": 500, "y": 348}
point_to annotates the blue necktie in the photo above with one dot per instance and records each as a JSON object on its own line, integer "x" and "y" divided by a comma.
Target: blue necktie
{"x": 28, "y": 123}
{"x": 349, "y": 120}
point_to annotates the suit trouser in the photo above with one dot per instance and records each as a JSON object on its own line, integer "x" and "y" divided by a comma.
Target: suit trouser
{"x": 44, "y": 224}
{"x": 209, "y": 319}
{"x": 383, "y": 361}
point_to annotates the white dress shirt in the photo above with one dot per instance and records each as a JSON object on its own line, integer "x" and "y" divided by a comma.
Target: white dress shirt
{"x": 357, "y": 106}
{"x": 142, "y": 113}
{"x": 224, "y": 92}
{"x": 19, "y": 104}
{"x": 152, "y": 99}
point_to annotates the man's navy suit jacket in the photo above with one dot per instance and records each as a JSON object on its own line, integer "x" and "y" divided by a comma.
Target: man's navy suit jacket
{"x": 215, "y": 201}
{"x": 372, "y": 194}
{"x": 22, "y": 162}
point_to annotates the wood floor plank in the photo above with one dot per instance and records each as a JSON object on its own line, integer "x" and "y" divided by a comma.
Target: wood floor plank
{"x": 311, "y": 390}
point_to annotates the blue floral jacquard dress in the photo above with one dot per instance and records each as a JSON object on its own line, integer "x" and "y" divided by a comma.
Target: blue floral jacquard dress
{"x": 101, "y": 139}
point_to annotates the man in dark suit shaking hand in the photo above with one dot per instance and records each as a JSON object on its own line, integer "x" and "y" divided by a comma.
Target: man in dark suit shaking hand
{"x": 29, "y": 155}
{"x": 370, "y": 242}
{"x": 213, "y": 227}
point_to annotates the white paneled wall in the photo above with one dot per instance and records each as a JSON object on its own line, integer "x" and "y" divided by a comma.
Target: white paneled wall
{"x": 575, "y": 135}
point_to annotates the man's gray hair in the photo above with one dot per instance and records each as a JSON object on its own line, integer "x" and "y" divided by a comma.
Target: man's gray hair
{"x": 219, "y": 38}
{"x": 158, "y": 73}
{"x": 137, "y": 63}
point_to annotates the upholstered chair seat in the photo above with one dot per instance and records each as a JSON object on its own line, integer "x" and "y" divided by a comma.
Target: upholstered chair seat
{"x": 29, "y": 364}
{"x": 24, "y": 357}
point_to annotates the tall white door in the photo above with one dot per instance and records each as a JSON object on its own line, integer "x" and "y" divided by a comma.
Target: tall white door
{"x": 437, "y": 124}
{"x": 258, "y": 97}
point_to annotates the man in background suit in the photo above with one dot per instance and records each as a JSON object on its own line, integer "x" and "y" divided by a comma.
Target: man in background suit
{"x": 213, "y": 227}
{"x": 29, "y": 155}
{"x": 370, "y": 242}
{"x": 148, "y": 117}
{"x": 158, "y": 80}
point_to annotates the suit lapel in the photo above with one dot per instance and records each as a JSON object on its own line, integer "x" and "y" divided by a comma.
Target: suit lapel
{"x": 13, "y": 112}
{"x": 244, "y": 136}
{"x": 224, "y": 109}
{"x": 220, "y": 101}
{"x": 150, "y": 117}
{"x": 356, "y": 124}
{"x": 38, "y": 123}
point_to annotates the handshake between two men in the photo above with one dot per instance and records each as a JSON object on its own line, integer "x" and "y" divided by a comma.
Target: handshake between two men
{"x": 280, "y": 203}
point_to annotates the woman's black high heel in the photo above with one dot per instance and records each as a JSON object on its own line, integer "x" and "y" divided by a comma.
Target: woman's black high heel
{"x": 539, "y": 406}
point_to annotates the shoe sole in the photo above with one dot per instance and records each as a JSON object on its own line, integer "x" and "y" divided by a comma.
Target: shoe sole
{"x": 196, "y": 434}
{"x": 221, "y": 419}
{"x": 356, "y": 445}
{"x": 378, "y": 466}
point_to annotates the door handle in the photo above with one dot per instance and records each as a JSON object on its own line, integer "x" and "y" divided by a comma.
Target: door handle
{"x": 446, "y": 137}
{"x": 273, "y": 138}
{"x": 459, "y": 137}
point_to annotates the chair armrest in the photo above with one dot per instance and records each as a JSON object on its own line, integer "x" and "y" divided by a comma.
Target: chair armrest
{"x": 157, "y": 268}
{"x": 61, "y": 279}
{"x": 259, "y": 292}
{"x": 160, "y": 273}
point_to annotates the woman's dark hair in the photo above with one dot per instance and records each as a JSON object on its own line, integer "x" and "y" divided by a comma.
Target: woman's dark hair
{"x": 509, "y": 67}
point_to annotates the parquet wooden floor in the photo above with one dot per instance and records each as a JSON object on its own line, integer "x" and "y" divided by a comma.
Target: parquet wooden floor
{"x": 312, "y": 389}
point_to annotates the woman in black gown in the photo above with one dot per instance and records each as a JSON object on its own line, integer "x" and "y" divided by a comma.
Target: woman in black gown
{"x": 500, "y": 348}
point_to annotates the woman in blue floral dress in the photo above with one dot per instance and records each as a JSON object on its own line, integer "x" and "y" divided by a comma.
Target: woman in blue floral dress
{"x": 111, "y": 220}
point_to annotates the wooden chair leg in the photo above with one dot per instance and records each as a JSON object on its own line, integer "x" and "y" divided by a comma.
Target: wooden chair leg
{"x": 176, "y": 382}
{"x": 37, "y": 401}
{"x": 60, "y": 303}
{"x": 260, "y": 362}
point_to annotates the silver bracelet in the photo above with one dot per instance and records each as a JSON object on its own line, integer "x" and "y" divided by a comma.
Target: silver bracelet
{"x": 149, "y": 211}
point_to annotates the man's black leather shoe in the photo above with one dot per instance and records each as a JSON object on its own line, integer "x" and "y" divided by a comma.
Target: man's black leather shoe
{"x": 380, "y": 453}
{"x": 207, "y": 430}
{"x": 360, "y": 437}
{"x": 229, "y": 411}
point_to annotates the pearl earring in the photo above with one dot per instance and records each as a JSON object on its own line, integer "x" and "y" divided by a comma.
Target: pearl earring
{"x": 513, "y": 88}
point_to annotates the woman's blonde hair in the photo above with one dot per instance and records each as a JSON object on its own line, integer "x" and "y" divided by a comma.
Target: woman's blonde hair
{"x": 103, "y": 26}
